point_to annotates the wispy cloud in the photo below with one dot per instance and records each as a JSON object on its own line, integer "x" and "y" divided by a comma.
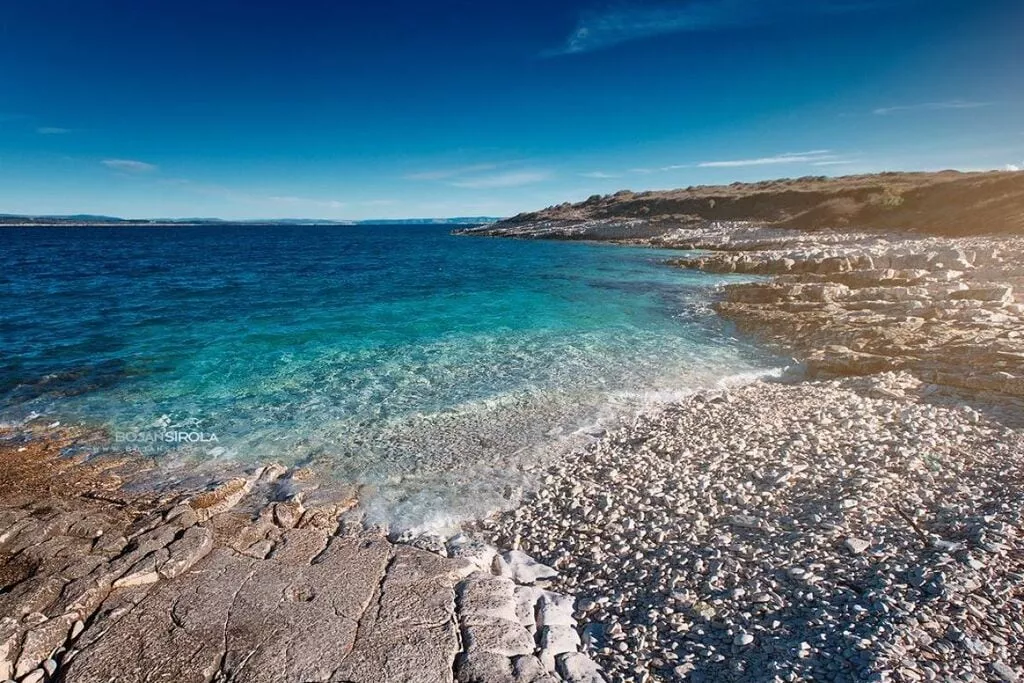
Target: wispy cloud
{"x": 306, "y": 201}
{"x": 445, "y": 173}
{"x": 597, "y": 30}
{"x": 1012, "y": 167}
{"x": 264, "y": 202}
{"x": 484, "y": 176}
{"x": 501, "y": 180}
{"x": 129, "y": 165}
{"x": 814, "y": 157}
{"x": 817, "y": 156}
{"x": 931, "y": 106}
{"x": 52, "y": 130}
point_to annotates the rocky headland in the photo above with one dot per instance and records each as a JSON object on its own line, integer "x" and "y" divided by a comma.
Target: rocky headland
{"x": 920, "y": 285}
{"x": 948, "y": 203}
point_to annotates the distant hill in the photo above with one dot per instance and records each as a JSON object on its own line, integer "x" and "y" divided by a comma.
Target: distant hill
{"x": 89, "y": 219}
{"x": 77, "y": 218}
{"x": 946, "y": 202}
{"x": 458, "y": 220}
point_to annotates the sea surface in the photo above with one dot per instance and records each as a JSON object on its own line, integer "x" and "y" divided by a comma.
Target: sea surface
{"x": 435, "y": 368}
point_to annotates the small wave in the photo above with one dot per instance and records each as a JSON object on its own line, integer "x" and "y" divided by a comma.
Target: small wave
{"x": 441, "y": 373}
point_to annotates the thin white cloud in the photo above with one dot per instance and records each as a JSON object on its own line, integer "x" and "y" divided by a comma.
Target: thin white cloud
{"x": 931, "y": 106}
{"x": 602, "y": 29}
{"x": 129, "y": 165}
{"x": 52, "y": 130}
{"x": 501, "y": 180}
{"x": 595, "y": 31}
{"x": 601, "y": 175}
{"x": 833, "y": 162}
{"x": 306, "y": 201}
{"x": 1012, "y": 167}
{"x": 245, "y": 197}
{"x": 445, "y": 173}
{"x": 812, "y": 157}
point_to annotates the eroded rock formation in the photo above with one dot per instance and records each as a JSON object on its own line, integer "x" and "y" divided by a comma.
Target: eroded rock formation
{"x": 244, "y": 582}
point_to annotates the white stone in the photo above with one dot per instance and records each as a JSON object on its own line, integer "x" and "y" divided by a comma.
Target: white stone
{"x": 521, "y": 568}
{"x": 857, "y": 545}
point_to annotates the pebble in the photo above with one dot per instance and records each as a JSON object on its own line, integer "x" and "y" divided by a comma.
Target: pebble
{"x": 1005, "y": 673}
{"x": 857, "y": 545}
{"x": 757, "y": 538}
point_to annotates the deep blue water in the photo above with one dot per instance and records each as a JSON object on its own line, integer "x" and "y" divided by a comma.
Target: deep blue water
{"x": 429, "y": 365}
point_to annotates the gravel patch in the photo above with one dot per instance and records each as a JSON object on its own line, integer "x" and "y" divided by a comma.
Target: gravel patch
{"x": 856, "y": 529}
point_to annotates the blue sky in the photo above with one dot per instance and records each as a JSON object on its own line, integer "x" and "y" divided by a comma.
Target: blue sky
{"x": 396, "y": 109}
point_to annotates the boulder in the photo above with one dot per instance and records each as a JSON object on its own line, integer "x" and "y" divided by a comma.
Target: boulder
{"x": 521, "y": 568}
{"x": 840, "y": 360}
{"x": 1000, "y": 294}
{"x": 576, "y": 667}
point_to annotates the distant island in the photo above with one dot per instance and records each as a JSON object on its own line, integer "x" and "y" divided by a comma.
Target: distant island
{"x": 17, "y": 220}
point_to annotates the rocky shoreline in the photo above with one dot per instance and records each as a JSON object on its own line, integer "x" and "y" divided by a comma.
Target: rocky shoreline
{"x": 855, "y": 529}
{"x": 258, "y": 577}
{"x": 946, "y": 310}
{"x": 858, "y": 521}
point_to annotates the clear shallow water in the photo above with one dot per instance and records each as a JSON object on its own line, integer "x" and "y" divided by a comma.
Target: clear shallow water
{"x": 433, "y": 367}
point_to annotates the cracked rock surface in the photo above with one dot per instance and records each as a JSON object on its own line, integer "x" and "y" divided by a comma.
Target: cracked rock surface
{"x": 97, "y": 584}
{"x": 243, "y": 581}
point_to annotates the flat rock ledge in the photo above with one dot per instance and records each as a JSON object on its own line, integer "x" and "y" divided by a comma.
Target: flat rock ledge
{"x": 242, "y": 581}
{"x": 947, "y": 310}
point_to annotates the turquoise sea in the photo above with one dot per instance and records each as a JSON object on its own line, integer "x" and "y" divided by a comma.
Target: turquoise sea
{"x": 433, "y": 367}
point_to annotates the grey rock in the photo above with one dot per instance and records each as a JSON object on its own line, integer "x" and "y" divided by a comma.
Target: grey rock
{"x": 578, "y": 668}
{"x": 409, "y": 631}
{"x": 856, "y": 546}
{"x": 492, "y": 597}
{"x": 483, "y": 667}
{"x": 521, "y": 568}
{"x": 744, "y": 521}
{"x": 194, "y": 545}
{"x": 1004, "y": 672}
{"x": 743, "y": 639}
{"x": 346, "y": 606}
{"x": 557, "y": 640}
{"x": 530, "y": 670}
{"x": 496, "y": 636}
{"x": 555, "y": 610}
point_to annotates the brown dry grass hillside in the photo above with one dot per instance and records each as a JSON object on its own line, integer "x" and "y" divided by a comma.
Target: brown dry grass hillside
{"x": 945, "y": 203}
